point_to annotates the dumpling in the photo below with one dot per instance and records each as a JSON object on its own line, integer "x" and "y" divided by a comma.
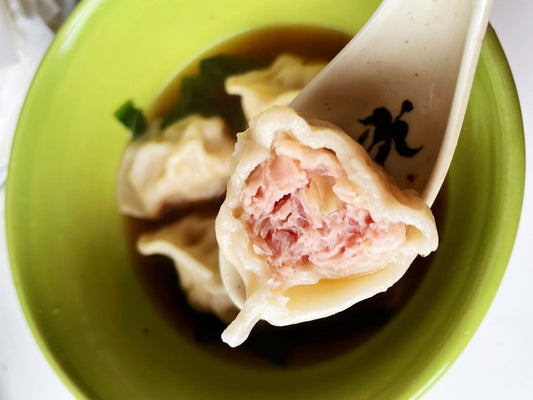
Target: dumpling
{"x": 310, "y": 224}
{"x": 189, "y": 161}
{"x": 278, "y": 84}
{"x": 192, "y": 245}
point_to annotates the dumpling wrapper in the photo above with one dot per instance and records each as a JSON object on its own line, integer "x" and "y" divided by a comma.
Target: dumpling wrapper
{"x": 310, "y": 224}
{"x": 277, "y": 85}
{"x": 192, "y": 245}
{"x": 189, "y": 161}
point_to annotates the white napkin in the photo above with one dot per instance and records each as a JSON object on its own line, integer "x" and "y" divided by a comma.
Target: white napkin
{"x": 26, "y": 29}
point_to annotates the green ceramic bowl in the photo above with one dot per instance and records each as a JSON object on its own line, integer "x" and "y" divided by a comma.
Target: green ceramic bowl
{"x": 91, "y": 312}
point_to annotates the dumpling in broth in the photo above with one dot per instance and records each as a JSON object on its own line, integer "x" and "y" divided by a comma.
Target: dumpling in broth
{"x": 189, "y": 161}
{"x": 278, "y": 84}
{"x": 192, "y": 245}
{"x": 310, "y": 224}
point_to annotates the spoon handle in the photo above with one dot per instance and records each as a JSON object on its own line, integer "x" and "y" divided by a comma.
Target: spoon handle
{"x": 410, "y": 68}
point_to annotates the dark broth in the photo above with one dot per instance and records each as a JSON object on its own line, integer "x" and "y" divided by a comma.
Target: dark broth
{"x": 300, "y": 344}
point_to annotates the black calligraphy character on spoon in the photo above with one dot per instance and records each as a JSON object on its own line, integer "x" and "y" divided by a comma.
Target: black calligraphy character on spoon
{"x": 387, "y": 131}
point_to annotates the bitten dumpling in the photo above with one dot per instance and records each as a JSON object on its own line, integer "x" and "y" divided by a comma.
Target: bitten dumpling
{"x": 310, "y": 224}
{"x": 188, "y": 161}
{"x": 192, "y": 245}
{"x": 278, "y": 84}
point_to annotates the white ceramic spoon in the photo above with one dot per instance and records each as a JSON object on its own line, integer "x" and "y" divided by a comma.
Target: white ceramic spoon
{"x": 401, "y": 86}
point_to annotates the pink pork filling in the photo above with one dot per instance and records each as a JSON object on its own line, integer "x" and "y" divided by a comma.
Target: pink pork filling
{"x": 294, "y": 224}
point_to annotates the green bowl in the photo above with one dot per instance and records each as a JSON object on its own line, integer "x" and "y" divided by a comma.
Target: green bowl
{"x": 91, "y": 313}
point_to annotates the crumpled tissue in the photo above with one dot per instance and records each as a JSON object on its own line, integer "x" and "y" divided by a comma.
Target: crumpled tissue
{"x": 26, "y": 29}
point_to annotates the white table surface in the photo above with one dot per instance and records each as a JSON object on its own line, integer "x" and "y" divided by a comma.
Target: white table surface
{"x": 497, "y": 363}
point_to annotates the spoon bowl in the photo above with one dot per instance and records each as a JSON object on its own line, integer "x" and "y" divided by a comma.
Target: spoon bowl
{"x": 401, "y": 86}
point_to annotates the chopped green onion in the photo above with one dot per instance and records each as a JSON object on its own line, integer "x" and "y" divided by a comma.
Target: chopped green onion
{"x": 219, "y": 67}
{"x": 132, "y": 118}
{"x": 205, "y": 94}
